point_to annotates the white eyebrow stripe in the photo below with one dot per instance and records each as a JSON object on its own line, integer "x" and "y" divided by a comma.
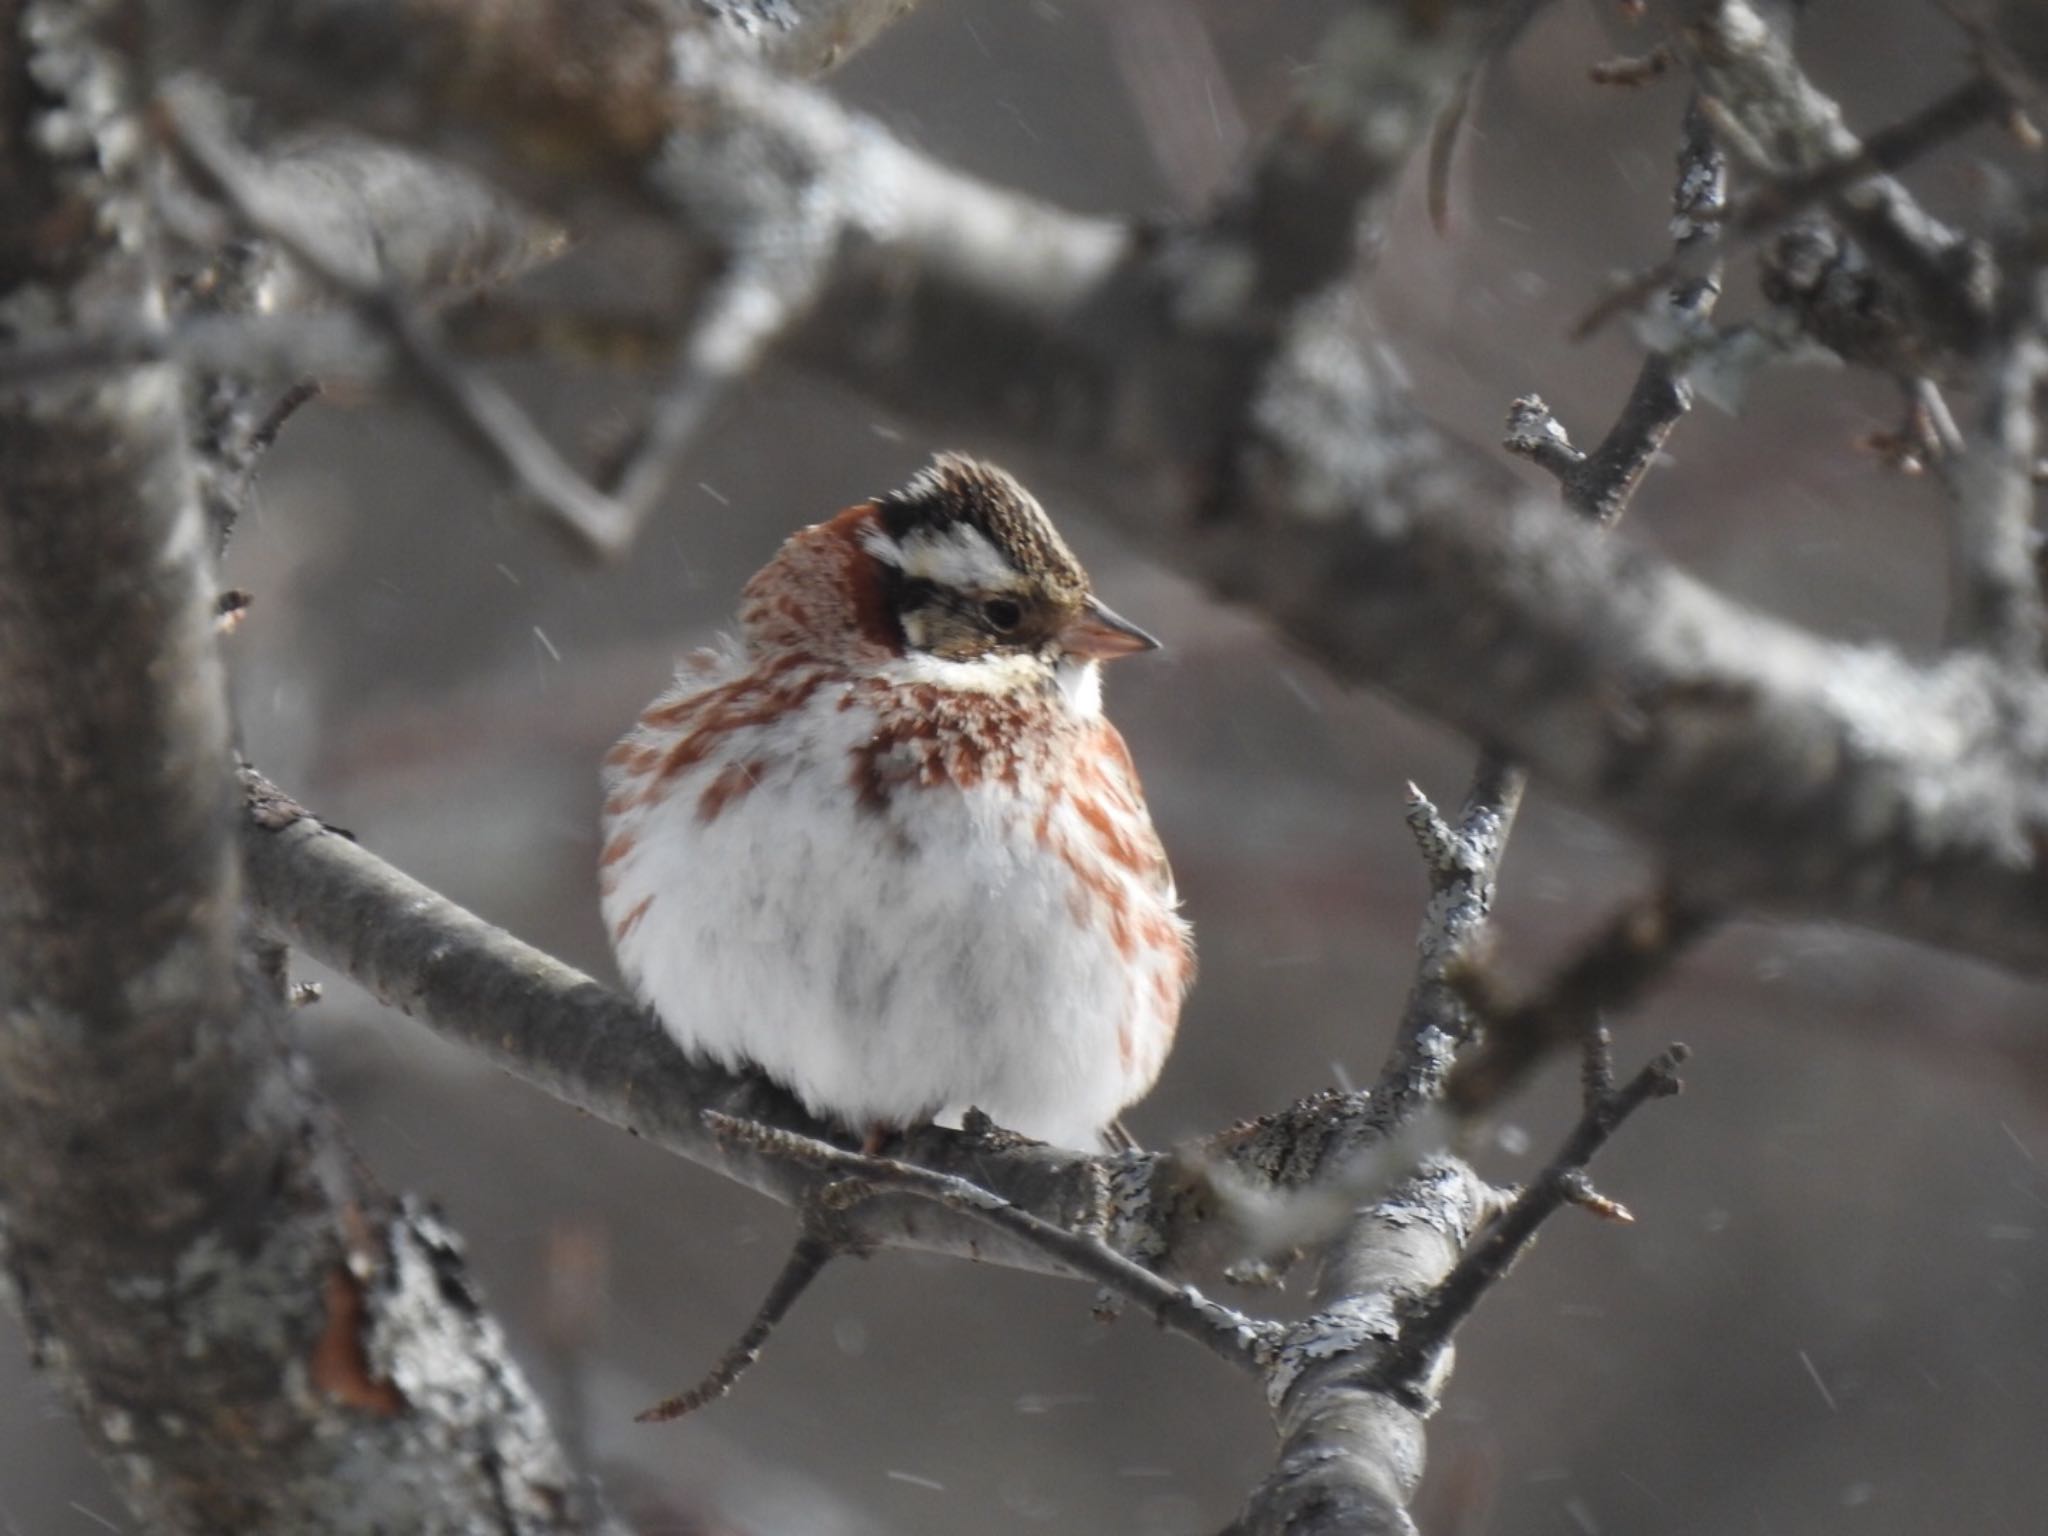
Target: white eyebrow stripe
{"x": 957, "y": 556}
{"x": 876, "y": 541}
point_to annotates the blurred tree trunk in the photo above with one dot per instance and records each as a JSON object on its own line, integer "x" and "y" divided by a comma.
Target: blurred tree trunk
{"x": 255, "y": 1340}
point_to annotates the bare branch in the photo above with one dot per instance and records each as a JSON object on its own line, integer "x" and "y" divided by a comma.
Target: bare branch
{"x": 1434, "y": 839}
{"x": 807, "y": 1260}
{"x": 383, "y": 217}
{"x": 1599, "y": 486}
{"x": 1772, "y": 766}
{"x": 1596, "y": 1062}
{"x": 1634, "y": 70}
{"x": 1434, "y": 1021}
{"x": 1602, "y": 486}
{"x": 1997, "y": 602}
{"x": 1378, "y": 82}
{"x": 860, "y": 1178}
{"x": 1352, "y": 1452}
{"x": 390, "y": 218}
{"x": 1358, "y": 528}
{"x": 480, "y": 411}
{"x": 1426, "y": 1330}
{"x": 1779, "y": 201}
{"x": 1769, "y": 111}
{"x": 282, "y": 347}
{"x": 741, "y": 315}
{"x": 1533, "y": 433}
{"x": 559, "y": 1030}
{"x": 1507, "y": 22}
{"x": 1759, "y": 755}
{"x": 1614, "y": 968}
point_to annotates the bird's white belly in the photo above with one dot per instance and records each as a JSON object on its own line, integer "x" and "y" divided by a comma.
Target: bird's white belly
{"x": 886, "y": 963}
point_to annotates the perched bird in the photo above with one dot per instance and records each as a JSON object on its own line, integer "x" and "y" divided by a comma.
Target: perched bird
{"x": 886, "y": 848}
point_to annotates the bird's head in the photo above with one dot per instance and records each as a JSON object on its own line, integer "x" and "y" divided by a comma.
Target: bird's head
{"x": 972, "y": 568}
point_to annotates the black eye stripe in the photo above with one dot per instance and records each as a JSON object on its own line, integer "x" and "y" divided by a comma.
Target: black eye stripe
{"x": 910, "y": 592}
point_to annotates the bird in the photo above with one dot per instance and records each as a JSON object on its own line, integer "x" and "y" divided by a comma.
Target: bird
{"x": 884, "y": 846}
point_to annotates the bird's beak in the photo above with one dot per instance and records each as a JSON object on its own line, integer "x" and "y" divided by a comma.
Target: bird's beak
{"x": 1097, "y": 634}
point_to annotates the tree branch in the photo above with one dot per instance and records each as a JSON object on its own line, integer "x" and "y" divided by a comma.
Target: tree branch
{"x": 1427, "y": 1328}
{"x": 1997, "y": 603}
{"x": 807, "y": 1260}
{"x": 1613, "y": 969}
{"x": 1464, "y": 870}
{"x": 1746, "y": 66}
{"x": 480, "y": 412}
{"x": 859, "y": 1178}
{"x": 253, "y": 1340}
{"x": 1599, "y": 487}
{"x": 557, "y": 1029}
{"x": 1352, "y": 1453}
{"x": 1779, "y": 201}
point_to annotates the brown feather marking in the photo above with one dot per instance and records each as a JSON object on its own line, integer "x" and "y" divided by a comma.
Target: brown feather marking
{"x": 1157, "y": 933}
{"x": 632, "y": 756}
{"x": 873, "y": 619}
{"x": 737, "y": 706}
{"x": 1167, "y": 993}
{"x": 963, "y": 763}
{"x": 732, "y": 783}
{"x": 929, "y": 737}
{"x": 674, "y": 712}
{"x": 1116, "y": 842}
{"x": 1098, "y": 893}
{"x": 631, "y": 920}
{"x": 822, "y": 595}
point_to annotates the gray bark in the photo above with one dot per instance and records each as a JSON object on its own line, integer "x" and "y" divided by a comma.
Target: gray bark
{"x": 253, "y": 1337}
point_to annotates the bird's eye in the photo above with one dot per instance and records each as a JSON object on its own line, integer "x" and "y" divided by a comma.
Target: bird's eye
{"x": 1003, "y": 614}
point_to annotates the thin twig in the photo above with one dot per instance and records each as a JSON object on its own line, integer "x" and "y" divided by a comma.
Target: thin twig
{"x": 263, "y": 436}
{"x": 806, "y": 1262}
{"x": 1429, "y": 1326}
{"x": 1596, "y": 1062}
{"x": 1227, "y": 1333}
{"x": 1434, "y": 839}
{"x": 478, "y": 409}
{"x": 1506, "y": 25}
{"x": 1463, "y": 861}
{"x": 741, "y": 316}
{"x": 1599, "y": 486}
{"x": 1615, "y": 967}
{"x": 1774, "y": 204}
{"x": 1927, "y": 432}
{"x": 1603, "y": 483}
{"x": 1579, "y": 1191}
{"x": 1533, "y": 433}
